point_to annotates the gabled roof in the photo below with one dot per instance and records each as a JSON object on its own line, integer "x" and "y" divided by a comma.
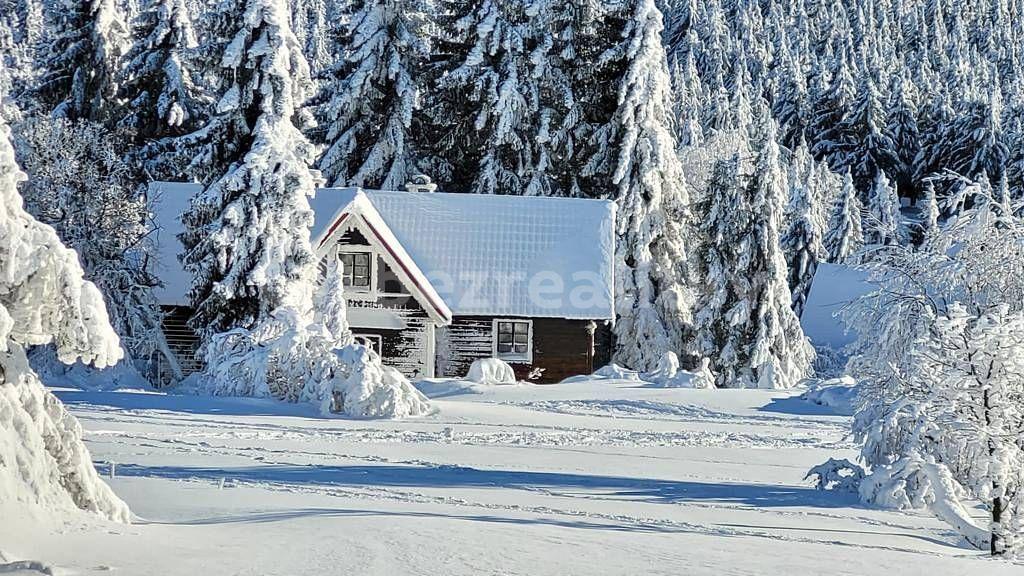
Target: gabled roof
{"x": 356, "y": 211}
{"x": 490, "y": 255}
{"x": 476, "y": 255}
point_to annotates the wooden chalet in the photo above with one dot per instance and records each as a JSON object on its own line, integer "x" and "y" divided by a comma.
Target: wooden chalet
{"x": 435, "y": 281}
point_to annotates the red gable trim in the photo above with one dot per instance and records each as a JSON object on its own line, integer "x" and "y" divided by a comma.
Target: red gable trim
{"x": 330, "y": 231}
{"x": 391, "y": 251}
{"x": 405, "y": 268}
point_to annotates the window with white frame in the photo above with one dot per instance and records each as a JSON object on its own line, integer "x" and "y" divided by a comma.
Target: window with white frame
{"x": 358, "y": 270}
{"x": 513, "y": 340}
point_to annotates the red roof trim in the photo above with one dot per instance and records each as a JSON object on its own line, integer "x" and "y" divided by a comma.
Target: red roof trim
{"x": 412, "y": 277}
{"x": 330, "y": 232}
{"x": 405, "y": 268}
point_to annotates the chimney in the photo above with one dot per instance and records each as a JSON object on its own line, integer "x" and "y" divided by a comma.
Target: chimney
{"x": 421, "y": 183}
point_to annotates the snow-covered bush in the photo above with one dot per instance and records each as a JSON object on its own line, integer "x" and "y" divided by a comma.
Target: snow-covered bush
{"x": 44, "y": 300}
{"x": 365, "y": 388}
{"x": 293, "y": 358}
{"x": 491, "y": 371}
{"x": 80, "y": 185}
{"x": 837, "y": 476}
{"x": 940, "y": 414}
{"x": 668, "y": 375}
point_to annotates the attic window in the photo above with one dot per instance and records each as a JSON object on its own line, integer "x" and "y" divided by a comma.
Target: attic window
{"x": 357, "y": 269}
{"x": 513, "y": 340}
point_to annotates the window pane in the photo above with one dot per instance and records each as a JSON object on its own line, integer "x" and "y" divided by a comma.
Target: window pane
{"x": 362, "y": 259}
{"x": 346, "y": 259}
{"x": 504, "y": 338}
{"x": 520, "y": 348}
{"x": 361, "y": 271}
{"x": 504, "y": 348}
{"x": 504, "y": 327}
{"x": 521, "y": 338}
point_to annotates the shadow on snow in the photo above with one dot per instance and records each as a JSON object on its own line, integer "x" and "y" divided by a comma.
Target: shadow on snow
{"x": 578, "y": 485}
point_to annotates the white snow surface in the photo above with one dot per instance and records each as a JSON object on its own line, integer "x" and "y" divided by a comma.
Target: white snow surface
{"x": 839, "y": 394}
{"x": 589, "y": 478}
{"x": 834, "y": 286}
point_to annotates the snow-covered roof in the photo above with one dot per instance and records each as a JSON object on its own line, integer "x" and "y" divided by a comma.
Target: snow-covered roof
{"x": 481, "y": 255}
{"x": 169, "y": 200}
{"x": 498, "y": 255}
{"x": 834, "y": 287}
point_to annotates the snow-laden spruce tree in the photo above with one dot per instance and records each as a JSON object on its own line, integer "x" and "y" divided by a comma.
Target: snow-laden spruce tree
{"x": 80, "y": 185}
{"x": 942, "y": 382}
{"x": 930, "y": 210}
{"x": 44, "y": 300}
{"x": 780, "y": 354}
{"x": 247, "y": 233}
{"x": 372, "y": 93}
{"x": 80, "y": 57}
{"x": 802, "y": 241}
{"x": 844, "y": 236}
{"x": 883, "y": 224}
{"x": 653, "y": 301}
{"x": 726, "y": 218}
{"x": 744, "y": 320}
{"x": 498, "y": 95}
{"x": 160, "y": 97}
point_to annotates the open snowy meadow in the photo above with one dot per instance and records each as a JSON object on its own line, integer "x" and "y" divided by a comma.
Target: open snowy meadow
{"x": 594, "y": 477}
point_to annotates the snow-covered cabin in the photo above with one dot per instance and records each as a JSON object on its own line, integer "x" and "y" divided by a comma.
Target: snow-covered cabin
{"x": 435, "y": 281}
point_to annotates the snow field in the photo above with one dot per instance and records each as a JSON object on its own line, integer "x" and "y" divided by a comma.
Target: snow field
{"x": 593, "y": 477}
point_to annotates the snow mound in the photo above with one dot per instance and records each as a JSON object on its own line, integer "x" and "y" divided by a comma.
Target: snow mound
{"x": 839, "y": 394}
{"x": 666, "y": 374}
{"x": 369, "y": 389}
{"x": 491, "y": 371}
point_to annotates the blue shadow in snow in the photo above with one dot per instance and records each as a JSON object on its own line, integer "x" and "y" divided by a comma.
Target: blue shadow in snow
{"x": 187, "y": 404}
{"x": 606, "y": 487}
{"x": 797, "y": 406}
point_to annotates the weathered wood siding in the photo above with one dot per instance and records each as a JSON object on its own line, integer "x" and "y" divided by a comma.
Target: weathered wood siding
{"x": 405, "y": 350}
{"x": 561, "y": 348}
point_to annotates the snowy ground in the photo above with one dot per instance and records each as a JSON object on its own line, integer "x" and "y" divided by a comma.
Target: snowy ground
{"x": 586, "y": 478}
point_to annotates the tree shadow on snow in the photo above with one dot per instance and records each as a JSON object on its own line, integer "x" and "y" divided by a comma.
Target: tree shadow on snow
{"x": 184, "y": 403}
{"x": 557, "y": 484}
{"x": 797, "y": 406}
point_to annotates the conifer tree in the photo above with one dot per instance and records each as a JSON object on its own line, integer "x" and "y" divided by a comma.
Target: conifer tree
{"x": 653, "y": 299}
{"x": 247, "y": 233}
{"x": 802, "y": 240}
{"x": 372, "y": 94}
{"x": 81, "y": 60}
{"x": 884, "y": 222}
{"x": 160, "y": 97}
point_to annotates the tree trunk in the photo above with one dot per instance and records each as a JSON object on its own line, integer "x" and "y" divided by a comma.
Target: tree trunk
{"x": 998, "y": 545}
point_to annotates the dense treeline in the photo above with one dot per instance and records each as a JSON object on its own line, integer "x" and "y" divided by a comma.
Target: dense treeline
{"x": 733, "y": 134}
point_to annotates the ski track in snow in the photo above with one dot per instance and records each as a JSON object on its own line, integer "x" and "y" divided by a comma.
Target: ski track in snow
{"x": 593, "y": 463}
